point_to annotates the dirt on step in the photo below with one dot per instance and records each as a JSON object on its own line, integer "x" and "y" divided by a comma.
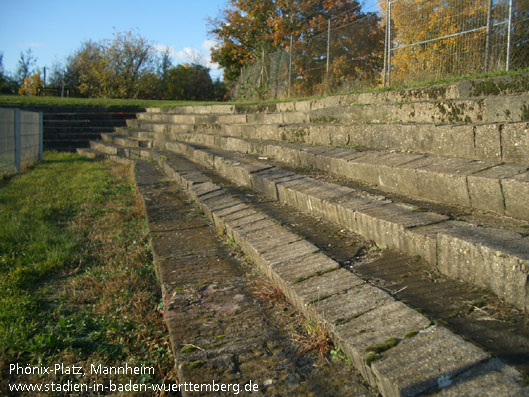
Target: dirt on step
{"x": 228, "y": 326}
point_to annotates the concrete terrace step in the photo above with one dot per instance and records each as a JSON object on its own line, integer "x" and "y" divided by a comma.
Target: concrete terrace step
{"x": 89, "y": 153}
{"x": 127, "y": 141}
{"x": 198, "y": 109}
{"x": 482, "y": 185}
{"x": 394, "y": 347}
{"x": 117, "y": 150}
{"x": 491, "y": 258}
{"x": 135, "y": 132}
{"x": 505, "y": 108}
{"x": 225, "y": 331}
{"x": 508, "y": 142}
{"x": 497, "y": 86}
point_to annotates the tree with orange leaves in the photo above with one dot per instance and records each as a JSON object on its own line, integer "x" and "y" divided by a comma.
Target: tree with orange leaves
{"x": 432, "y": 39}
{"x": 31, "y": 85}
{"x": 248, "y": 28}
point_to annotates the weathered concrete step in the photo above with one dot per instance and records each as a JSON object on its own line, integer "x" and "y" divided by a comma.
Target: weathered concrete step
{"x": 380, "y": 335}
{"x": 470, "y": 312}
{"x": 126, "y": 141}
{"x": 167, "y": 128}
{"x": 483, "y": 185}
{"x": 239, "y": 118}
{"x": 508, "y": 142}
{"x": 136, "y": 133}
{"x": 490, "y": 258}
{"x": 224, "y": 334}
{"x": 434, "y": 357}
{"x": 85, "y": 152}
{"x": 117, "y": 150}
{"x": 195, "y": 109}
{"x": 496, "y": 86}
{"x": 506, "y": 108}
{"x": 157, "y": 127}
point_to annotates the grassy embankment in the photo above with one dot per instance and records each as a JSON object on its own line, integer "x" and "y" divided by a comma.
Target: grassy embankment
{"x": 15, "y": 100}
{"x": 77, "y": 284}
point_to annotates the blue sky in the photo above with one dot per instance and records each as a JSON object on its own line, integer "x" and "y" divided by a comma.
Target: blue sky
{"x": 54, "y": 29}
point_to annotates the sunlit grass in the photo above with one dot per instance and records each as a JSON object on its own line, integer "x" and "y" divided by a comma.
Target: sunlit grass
{"x": 77, "y": 283}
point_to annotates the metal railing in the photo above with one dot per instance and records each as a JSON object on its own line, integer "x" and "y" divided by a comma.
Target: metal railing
{"x": 406, "y": 41}
{"x": 21, "y": 139}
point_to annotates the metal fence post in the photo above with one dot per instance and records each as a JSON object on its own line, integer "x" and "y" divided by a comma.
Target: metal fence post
{"x": 385, "y": 71}
{"x": 487, "y": 41}
{"x": 16, "y": 128}
{"x": 41, "y": 135}
{"x": 509, "y": 38}
{"x": 326, "y": 85}
{"x": 262, "y": 69}
{"x": 290, "y": 68}
{"x": 328, "y": 44}
{"x": 389, "y": 43}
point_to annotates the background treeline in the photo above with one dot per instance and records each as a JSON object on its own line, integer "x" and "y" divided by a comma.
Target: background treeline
{"x": 126, "y": 66}
{"x": 282, "y": 48}
{"x": 247, "y": 31}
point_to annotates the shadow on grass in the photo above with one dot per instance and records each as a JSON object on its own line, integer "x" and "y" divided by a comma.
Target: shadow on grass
{"x": 64, "y": 158}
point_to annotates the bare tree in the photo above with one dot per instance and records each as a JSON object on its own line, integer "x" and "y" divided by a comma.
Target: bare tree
{"x": 27, "y": 63}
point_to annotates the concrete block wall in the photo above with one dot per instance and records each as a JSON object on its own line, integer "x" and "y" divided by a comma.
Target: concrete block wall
{"x": 21, "y": 139}
{"x": 7, "y": 142}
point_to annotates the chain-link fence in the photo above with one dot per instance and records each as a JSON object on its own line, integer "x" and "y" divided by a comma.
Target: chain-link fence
{"x": 21, "y": 143}
{"x": 422, "y": 40}
{"x": 339, "y": 58}
{"x": 445, "y": 38}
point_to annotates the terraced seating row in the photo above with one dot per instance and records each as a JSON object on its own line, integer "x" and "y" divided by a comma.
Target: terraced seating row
{"x": 482, "y": 185}
{"x": 364, "y": 321}
{"x": 381, "y": 169}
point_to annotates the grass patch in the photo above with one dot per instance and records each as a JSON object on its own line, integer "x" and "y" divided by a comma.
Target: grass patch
{"x": 77, "y": 283}
{"x": 17, "y": 100}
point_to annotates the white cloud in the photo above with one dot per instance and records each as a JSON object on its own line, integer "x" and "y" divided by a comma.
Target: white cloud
{"x": 190, "y": 55}
{"x": 200, "y": 55}
{"x": 161, "y": 48}
{"x": 209, "y": 44}
{"x": 34, "y": 44}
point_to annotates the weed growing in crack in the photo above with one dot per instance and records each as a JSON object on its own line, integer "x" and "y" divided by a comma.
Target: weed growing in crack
{"x": 231, "y": 241}
{"x": 316, "y": 339}
{"x": 338, "y": 354}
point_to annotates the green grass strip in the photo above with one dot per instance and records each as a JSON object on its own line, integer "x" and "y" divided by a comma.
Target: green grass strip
{"x": 77, "y": 283}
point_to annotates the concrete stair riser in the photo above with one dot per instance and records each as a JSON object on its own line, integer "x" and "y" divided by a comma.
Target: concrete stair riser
{"x": 511, "y": 108}
{"x": 500, "y": 86}
{"x": 505, "y": 142}
{"x": 220, "y": 209}
{"x": 476, "y": 110}
{"x": 502, "y": 261}
{"x": 473, "y": 184}
{"x": 434, "y": 355}
{"x": 126, "y": 141}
